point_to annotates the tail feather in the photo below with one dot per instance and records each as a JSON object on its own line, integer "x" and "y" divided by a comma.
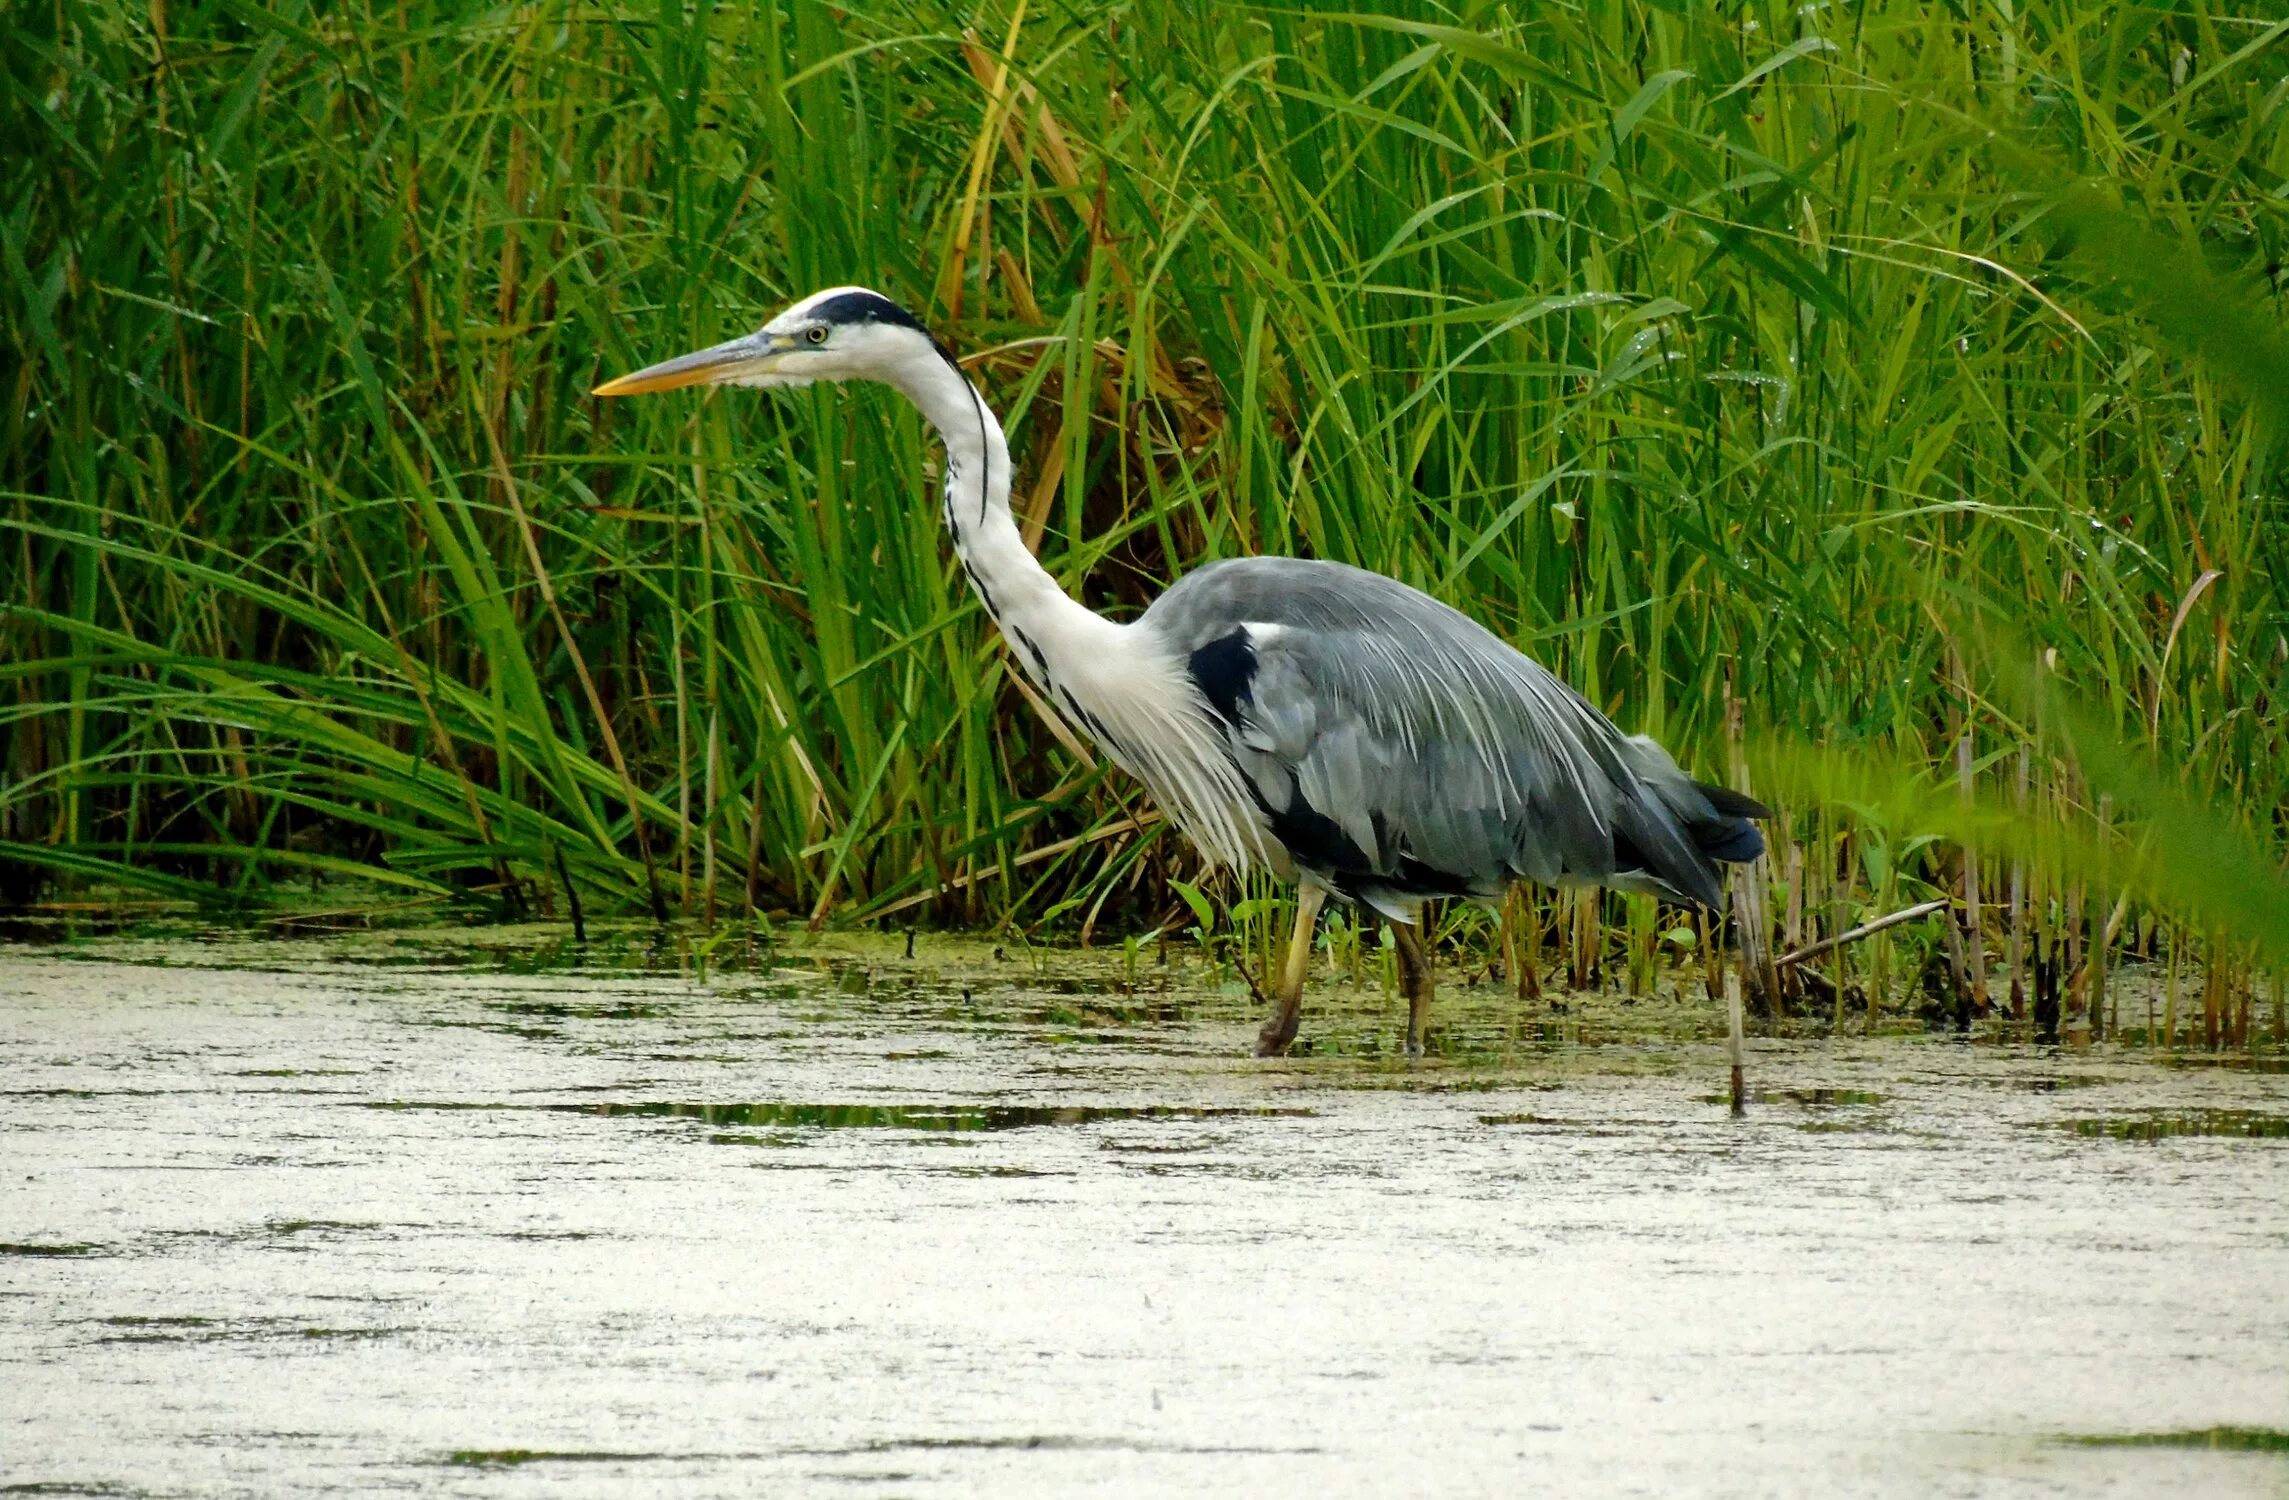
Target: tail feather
{"x": 1672, "y": 839}
{"x": 1729, "y": 837}
{"x": 1735, "y": 841}
{"x": 1731, "y": 803}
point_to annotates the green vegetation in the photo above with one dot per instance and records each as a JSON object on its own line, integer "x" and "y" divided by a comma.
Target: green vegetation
{"x": 2223, "y": 1439}
{"x": 1787, "y": 356}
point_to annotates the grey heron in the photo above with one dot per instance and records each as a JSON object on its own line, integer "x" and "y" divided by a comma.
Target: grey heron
{"x": 1329, "y": 724}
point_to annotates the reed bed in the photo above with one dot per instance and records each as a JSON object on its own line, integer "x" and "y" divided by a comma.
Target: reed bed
{"x": 1820, "y": 391}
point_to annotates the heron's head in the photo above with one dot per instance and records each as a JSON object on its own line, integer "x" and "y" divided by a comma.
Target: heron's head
{"x": 843, "y": 333}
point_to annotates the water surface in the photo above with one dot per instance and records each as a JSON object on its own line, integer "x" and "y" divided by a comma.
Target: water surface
{"x": 275, "y": 1220}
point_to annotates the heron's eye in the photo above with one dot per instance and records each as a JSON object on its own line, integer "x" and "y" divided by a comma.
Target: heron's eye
{"x": 817, "y": 335}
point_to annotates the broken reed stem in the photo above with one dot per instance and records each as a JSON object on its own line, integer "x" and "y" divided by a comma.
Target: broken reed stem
{"x": 1865, "y": 929}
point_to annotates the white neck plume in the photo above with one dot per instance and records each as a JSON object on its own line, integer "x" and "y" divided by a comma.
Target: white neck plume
{"x": 1122, "y": 683}
{"x": 1049, "y": 631}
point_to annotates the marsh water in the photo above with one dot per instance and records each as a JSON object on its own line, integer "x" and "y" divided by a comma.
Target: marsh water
{"x": 303, "y": 1218}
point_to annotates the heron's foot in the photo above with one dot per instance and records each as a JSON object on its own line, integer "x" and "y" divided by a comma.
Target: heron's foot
{"x": 1414, "y": 1043}
{"x": 1278, "y": 1034}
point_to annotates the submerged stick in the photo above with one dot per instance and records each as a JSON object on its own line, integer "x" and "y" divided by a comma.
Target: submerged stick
{"x": 1865, "y": 929}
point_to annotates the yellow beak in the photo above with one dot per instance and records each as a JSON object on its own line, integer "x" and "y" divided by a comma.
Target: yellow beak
{"x": 707, "y": 367}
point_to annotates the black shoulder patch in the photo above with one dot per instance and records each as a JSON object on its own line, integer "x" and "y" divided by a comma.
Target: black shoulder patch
{"x": 1223, "y": 670}
{"x": 866, "y": 307}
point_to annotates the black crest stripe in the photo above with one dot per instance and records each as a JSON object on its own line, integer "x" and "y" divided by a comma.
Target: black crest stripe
{"x": 866, "y": 307}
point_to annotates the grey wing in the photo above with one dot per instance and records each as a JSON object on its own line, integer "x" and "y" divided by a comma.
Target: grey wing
{"x": 1399, "y": 749}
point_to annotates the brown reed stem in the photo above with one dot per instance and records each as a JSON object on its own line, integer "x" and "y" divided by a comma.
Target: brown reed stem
{"x": 2017, "y": 952}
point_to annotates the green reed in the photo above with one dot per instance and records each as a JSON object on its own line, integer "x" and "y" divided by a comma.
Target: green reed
{"x": 1755, "y": 356}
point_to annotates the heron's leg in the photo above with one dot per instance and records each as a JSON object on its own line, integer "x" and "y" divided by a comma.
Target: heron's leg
{"x": 1414, "y": 978}
{"x": 1281, "y": 1028}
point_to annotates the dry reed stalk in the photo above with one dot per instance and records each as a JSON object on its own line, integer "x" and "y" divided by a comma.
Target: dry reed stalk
{"x": 1644, "y": 943}
{"x": 1958, "y": 973}
{"x": 2073, "y": 924}
{"x": 1839, "y": 907}
{"x": 1750, "y": 882}
{"x": 2170, "y": 990}
{"x": 2107, "y": 927}
{"x": 1792, "y": 914}
{"x": 754, "y": 845}
{"x": 2074, "y": 1002}
{"x": 2017, "y": 952}
{"x": 1582, "y": 968}
{"x": 707, "y": 826}
{"x": 1530, "y": 948}
{"x": 2212, "y": 1001}
{"x": 1974, "y": 927}
{"x": 683, "y": 764}
{"x": 1506, "y": 937}
{"x": 1736, "y": 1045}
{"x": 1708, "y": 929}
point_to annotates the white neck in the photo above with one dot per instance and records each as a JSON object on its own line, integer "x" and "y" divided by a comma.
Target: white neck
{"x": 1123, "y": 684}
{"x": 1043, "y": 623}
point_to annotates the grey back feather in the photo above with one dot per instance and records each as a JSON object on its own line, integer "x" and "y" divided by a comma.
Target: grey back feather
{"x": 1449, "y": 760}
